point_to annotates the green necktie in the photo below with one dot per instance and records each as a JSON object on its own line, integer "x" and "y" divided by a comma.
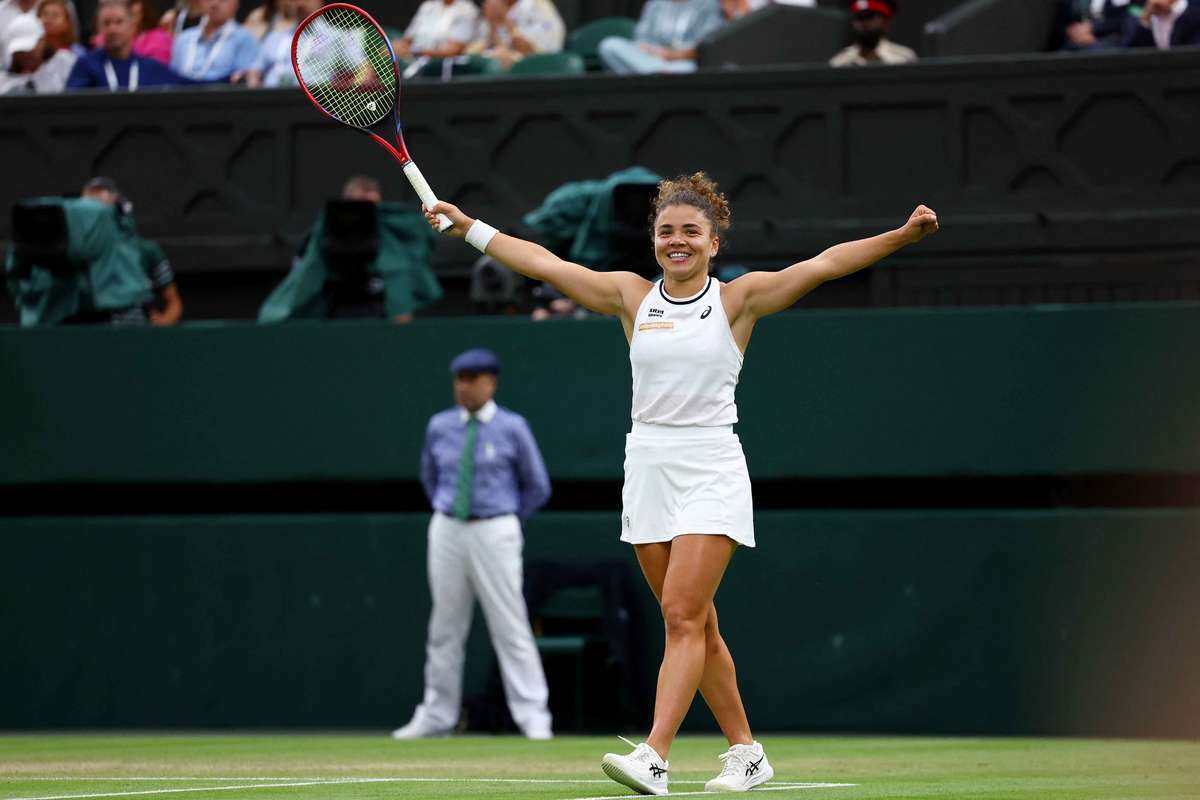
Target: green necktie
{"x": 466, "y": 472}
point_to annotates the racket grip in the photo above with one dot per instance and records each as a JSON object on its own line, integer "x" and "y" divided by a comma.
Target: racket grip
{"x": 428, "y": 198}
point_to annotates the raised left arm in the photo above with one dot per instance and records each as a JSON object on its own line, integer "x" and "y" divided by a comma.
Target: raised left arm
{"x": 761, "y": 293}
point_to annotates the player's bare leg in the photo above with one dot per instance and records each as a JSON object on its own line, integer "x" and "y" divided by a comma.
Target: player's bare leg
{"x": 718, "y": 683}
{"x": 719, "y": 686}
{"x": 694, "y": 570}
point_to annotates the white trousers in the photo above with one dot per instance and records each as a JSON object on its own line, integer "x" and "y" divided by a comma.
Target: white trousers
{"x": 469, "y": 560}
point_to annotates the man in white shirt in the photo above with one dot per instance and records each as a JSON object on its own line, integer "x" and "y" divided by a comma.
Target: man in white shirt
{"x": 439, "y": 29}
{"x": 871, "y": 22}
{"x": 1165, "y": 24}
{"x": 515, "y": 28}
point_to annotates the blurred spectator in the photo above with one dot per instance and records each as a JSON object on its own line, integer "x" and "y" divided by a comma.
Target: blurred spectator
{"x": 1089, "y": 24}
{"x": 21, "y": 54}
{"x": 185, "y": 15}
{"x": 274, "y": 65}
{"x": 151, "y": 41}
{"x": 58, "y": 22}
{"x": 1165, "y": 24}
{"x": 41, "y": 56}
{"x": 216, "y": 49}
{"x": 115, "y": 65}
{"x": 871, "y": 22}
{"x": 167, "y": 308}
{"x": 439, "y": 29}
{"x": 513, "y": 29}
{"x": 359, "y": 267}
{"x": 665, "y": 38}
{"x": 736, "y": 9}
{"x": 10, "y": 12}
{"x": 272, "y": 16}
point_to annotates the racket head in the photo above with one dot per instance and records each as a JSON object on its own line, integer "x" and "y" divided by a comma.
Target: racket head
{"x": 347, "y": 68}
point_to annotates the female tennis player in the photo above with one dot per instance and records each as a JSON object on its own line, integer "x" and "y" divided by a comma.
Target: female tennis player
{"x": 686, "y": 500}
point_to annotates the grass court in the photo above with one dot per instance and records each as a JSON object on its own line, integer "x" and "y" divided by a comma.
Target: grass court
{"x": 366, "y": 767}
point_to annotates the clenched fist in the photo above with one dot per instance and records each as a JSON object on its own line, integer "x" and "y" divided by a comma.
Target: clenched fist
{"x": 922, "y": 223}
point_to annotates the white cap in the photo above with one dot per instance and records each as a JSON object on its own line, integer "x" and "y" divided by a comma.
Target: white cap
{"x": 21, "y": 35}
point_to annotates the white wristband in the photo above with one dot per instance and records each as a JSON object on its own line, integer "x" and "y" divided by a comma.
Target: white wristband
{"x": 480, "y": 234}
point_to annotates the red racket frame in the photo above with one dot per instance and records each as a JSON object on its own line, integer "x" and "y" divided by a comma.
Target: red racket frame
{"x": 400, "y": 152}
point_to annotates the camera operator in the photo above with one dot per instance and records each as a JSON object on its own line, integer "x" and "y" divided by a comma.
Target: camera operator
{"x": 76, "y": 260}
{"x": 167, "y": 308}
{"x": 364, "y": 258}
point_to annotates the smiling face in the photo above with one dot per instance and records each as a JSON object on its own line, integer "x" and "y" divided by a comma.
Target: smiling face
{"x": 684, "y": 243}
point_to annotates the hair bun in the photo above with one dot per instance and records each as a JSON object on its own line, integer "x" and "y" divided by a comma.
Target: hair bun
{"x": 696, "y": 190}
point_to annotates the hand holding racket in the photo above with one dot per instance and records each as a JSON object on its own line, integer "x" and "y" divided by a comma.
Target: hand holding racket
{"x": 347, "y": 68}
{"x": 441, "y": 210}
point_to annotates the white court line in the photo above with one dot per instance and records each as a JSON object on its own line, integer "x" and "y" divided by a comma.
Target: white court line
{"x": 770, "y": 787}
{"x": 352, "y": 781}
{"x": 285, "y": 778}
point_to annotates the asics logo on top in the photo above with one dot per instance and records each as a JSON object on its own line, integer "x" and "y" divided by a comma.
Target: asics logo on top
{"x": 753, "y": 767}
{"x": 707, "y": 311}
{"x": 657, "y": 771}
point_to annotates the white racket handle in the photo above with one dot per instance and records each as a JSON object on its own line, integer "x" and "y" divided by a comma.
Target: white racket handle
{"x": 428, "y": 199}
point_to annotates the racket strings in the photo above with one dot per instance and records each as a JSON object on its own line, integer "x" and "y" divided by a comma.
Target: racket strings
{"x": 347, "y": 67}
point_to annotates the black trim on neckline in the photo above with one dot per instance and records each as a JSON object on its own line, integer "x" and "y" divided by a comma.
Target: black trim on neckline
{"x": 663, "y": 292}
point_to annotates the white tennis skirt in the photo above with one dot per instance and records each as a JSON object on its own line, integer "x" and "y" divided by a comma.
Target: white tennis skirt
{"x": 681, "y": 480}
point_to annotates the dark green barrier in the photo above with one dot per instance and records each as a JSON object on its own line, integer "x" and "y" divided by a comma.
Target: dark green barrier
{"x": 1000, "y": 622}
{"x": 1022, "y": 391}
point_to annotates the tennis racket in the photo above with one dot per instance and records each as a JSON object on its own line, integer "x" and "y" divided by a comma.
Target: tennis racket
{"x": 347, "y": 68}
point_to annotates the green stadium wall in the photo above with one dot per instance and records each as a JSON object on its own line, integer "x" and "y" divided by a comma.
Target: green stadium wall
{"x": 989, "y": 620}
{"x": 955, "y": 621}
{"x": 1044, "y": 390}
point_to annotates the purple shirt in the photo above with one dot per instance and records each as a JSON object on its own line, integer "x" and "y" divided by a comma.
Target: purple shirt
{"x": 510, "y": 476}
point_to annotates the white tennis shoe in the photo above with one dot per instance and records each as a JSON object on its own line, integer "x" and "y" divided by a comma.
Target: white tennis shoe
{"x": 643, "y": 770}
{"x": 745, "y": 767}
{"x": 419, "y": 729}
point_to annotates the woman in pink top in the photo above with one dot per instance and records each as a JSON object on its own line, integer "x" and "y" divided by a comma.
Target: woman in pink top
{"x": 151, "y": 41}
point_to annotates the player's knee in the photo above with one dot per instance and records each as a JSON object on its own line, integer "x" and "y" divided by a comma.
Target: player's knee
{"x": 682, "y": 619}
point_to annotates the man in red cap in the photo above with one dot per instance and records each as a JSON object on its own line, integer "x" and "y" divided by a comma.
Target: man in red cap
{"x": 871, "y": 20}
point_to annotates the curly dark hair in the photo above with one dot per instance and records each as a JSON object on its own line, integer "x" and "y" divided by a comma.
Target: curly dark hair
{"x": 696, "y": 190}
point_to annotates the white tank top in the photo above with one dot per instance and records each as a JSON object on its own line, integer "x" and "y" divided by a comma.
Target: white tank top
{"x": 685, "y": 362}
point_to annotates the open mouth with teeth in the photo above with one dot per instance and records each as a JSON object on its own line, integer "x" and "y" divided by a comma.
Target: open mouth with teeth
{"x": 678, "y": 256}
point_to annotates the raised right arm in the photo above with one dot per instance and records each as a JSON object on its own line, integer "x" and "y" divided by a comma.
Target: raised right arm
{"x": 603, "y": 292}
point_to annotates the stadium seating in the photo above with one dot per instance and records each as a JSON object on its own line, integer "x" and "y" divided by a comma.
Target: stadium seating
{"x": 459, "y": 66}
{"x": 776, "y": 35}
{"x": 564, "y": 63}
{"x": 586, "y": 38}
{"x": 986, "y": 27}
